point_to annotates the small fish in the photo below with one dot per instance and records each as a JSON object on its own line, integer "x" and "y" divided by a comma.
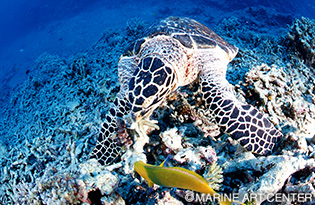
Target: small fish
{"x": 176, "y": 177}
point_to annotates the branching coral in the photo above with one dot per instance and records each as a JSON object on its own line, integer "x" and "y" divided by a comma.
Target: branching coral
{"x": 302, "y": 36}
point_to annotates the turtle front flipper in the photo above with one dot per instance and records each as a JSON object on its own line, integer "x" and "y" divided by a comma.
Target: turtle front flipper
{"x": 108, "y": 146}
{"x": 242, "y": 122}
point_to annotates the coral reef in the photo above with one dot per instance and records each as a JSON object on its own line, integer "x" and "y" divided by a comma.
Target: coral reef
{"x": 278, "y": 169}
{"x": 282, "y": 95}
{"x": 52, "y": 122}
{"x": 301, "y": 36}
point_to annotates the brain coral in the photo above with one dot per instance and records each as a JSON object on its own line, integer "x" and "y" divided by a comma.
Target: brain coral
{"x": 302, "y": 36}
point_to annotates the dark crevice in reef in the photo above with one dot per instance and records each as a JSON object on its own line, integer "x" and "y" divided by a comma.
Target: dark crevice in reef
{"x": 95, "y": 197}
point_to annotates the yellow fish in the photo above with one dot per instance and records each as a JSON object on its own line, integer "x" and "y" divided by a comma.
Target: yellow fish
{"x": 176, "y": 177}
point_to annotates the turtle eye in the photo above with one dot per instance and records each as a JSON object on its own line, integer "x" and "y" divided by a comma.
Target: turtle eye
{"x": 203, "y": 42}
{"x": 133, "y": 48}
{"x": 137, "y": 46}
{"x": 184, "y": 40}
{"x": 128, "y": 51}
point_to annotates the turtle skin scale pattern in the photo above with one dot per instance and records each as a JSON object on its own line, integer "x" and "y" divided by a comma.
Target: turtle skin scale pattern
{"x": 173, "y": 53}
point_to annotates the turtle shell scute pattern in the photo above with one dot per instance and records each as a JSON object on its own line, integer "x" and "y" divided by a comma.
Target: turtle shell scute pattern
{"x": 187, "y": 31}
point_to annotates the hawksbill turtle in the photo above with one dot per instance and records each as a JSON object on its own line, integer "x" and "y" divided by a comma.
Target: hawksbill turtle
{"x": 173, "y": 53}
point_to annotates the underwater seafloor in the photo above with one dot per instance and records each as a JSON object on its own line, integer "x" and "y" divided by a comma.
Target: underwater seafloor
{"x": 51, "y": 124}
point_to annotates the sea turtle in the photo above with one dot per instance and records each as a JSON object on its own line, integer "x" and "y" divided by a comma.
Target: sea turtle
{"x": 173, "y": 53}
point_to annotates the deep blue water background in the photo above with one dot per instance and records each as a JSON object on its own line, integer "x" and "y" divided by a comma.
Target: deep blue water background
{"x": 31, "y": 27}
{"x": 18, "y": 17}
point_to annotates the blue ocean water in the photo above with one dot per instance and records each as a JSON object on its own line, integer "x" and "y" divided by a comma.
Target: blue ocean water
{"x": 18, "y": 17}
{"x": 30, "y": 28}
